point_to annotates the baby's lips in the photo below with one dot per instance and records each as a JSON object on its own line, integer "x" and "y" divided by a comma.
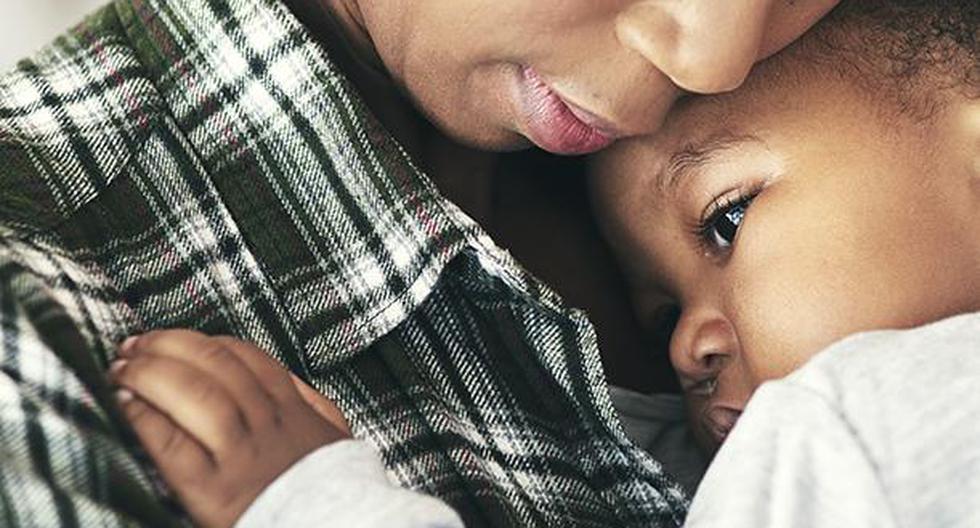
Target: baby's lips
{"x": 721, "y": 420}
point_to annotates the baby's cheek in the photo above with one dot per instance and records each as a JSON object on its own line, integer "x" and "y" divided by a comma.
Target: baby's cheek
{"x": 786, "y": 315}
{"x": 801, "y": 280}
{"x": 795, "y": 310}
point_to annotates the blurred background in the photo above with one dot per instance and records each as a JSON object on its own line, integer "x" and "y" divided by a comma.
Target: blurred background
{"x": 26, "y": 25}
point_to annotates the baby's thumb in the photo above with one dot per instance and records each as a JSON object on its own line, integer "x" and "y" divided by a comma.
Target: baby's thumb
{"x": 323, "y": 406}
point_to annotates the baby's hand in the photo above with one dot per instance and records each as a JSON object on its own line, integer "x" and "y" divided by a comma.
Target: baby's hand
{"x": 219, "y": 418}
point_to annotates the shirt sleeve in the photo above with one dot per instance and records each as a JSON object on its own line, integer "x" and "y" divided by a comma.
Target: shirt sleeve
{"x": 793, "y": 460}
{"x": 344, "y": 484}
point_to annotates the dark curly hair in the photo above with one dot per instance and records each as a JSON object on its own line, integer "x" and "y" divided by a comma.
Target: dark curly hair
{"x": 914, "y": 53}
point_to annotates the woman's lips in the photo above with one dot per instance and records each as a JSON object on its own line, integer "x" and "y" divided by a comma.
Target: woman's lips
{"x": 557, "y": 125}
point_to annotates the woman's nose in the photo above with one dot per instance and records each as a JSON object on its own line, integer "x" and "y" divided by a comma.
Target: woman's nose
{"x": 703, "y": 46}
{"x": 703, "y": 343}
{"x": 709, "y": 46}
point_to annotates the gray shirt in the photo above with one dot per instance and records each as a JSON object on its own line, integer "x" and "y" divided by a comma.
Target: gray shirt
{"x": 880, "y": 430}
{"x": 658, "y": 424}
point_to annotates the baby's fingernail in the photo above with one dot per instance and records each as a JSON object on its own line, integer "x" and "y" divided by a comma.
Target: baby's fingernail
{"x": 117, "y": 366}
{"x": 124, "y": 396}
{"x": 127, "y": 344}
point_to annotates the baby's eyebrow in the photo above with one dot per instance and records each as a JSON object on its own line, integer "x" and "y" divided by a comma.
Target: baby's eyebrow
{"x": 694, "y": 156}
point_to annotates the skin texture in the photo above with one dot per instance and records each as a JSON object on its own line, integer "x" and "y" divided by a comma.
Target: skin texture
{"x": 621, "y": 60}
{"x": 864, "y": 219}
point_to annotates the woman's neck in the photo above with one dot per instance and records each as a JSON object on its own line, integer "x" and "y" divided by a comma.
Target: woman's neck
{"x": 461, "y": 173}
{"x": 339, "y": 27}
{"x": 330, "y": 19}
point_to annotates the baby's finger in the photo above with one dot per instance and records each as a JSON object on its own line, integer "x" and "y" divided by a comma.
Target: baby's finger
{"x": 192, "y": 399}
{"x": 273, "y": 376}
{"x": 179, "y": 457}
{"x": 216, "y": 357}
{"x": 322, "y": 405}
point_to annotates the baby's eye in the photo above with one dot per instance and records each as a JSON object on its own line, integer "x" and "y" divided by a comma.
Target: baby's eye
{"x": 719, "y": 228}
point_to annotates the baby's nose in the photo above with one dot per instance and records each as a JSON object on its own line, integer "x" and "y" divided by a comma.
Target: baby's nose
{"x": 703, "y": 344}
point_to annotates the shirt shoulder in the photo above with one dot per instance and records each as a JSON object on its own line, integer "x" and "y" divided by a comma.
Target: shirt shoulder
{"x": 792, "y": 460}
{"x": 887, "y": 416}
{"x": 71, "y": 116}
{"x": 883, "y": 381}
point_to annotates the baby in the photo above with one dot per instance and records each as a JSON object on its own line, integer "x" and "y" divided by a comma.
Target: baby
{"x": 836, "y": 192}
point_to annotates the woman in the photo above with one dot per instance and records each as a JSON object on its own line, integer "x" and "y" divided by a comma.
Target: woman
{"x": 206, "y": 165}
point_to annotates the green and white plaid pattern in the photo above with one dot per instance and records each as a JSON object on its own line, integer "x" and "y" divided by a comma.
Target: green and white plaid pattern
{"x": 202, "y": 163}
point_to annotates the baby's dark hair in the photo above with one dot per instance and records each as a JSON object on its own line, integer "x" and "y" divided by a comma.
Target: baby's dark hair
{"x": 914, "y": 53}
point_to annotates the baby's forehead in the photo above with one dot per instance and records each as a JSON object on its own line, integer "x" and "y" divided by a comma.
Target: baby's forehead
{"x": 655, "y": 165}
{"x": 621, "y": 176}
{"x": 697, "y": 129}
{"x": 627, "y": 193}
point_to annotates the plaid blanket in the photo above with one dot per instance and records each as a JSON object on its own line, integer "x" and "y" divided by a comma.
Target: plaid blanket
{"x": 203, "y": 164}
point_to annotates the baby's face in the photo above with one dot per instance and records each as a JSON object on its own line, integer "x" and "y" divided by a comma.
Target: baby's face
{"x": 779, "y": 220}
